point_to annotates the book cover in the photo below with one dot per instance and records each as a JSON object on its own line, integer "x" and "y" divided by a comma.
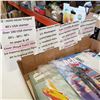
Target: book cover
{"x": 86, "y": 84}
{"x": 48, "y": 84}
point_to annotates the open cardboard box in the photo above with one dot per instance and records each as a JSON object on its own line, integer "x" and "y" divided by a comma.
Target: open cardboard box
{"x": 31, "y": 62}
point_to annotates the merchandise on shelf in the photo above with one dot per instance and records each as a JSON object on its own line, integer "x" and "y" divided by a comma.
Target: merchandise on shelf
{"x": 54, "y": 11}
{"x": 39, "y": 10}
{"x": 25, "y": 4}
{"x": 40, "y": 7}
{"x": 71, "y": 14}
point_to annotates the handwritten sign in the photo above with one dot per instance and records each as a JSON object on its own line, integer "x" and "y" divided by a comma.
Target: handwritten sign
{"x": 18, "y": 36}
{"x": 87, "y": 27}
{"x": 48, "y": 38}
{"x": 68, "y": 34}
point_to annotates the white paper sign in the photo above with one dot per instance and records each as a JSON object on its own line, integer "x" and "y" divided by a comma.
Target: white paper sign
{"x": 48, "y": 38}
{"x": 87, "y": 27}
{"x": 18, "y": 36}
{"x": 68, "y": 34}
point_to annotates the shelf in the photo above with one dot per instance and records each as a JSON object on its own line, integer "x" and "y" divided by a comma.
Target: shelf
{"x": 40, "y": 18}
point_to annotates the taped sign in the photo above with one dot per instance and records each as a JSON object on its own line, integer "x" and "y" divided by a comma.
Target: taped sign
{"x": 18, "y": 36}
{"x": 48, "y": 37}
{"x": 87, "y": 27}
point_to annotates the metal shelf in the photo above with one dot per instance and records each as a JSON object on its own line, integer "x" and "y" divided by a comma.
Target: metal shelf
{"x": 42, "y": 19}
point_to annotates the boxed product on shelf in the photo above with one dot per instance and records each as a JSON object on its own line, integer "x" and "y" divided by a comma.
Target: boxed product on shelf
{"x": 39, "y": 10}
{"x": 71, "y": 14}
{"x": 54, "y": 12}
{"x": 40, "y": 7}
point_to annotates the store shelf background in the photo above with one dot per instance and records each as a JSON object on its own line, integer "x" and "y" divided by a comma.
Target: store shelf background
{"x": 40, "y": 18}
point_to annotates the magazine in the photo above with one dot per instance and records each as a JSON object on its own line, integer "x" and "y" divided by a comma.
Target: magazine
{"x": 86, "y": 83}
{"x": 48, "y": 84}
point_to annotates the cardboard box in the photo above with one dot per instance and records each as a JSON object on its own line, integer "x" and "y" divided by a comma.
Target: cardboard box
{"x": 95, "y": 46}
{"x": 31, "y": 62}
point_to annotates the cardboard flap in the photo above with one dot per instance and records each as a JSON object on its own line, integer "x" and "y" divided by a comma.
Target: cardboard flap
{"x": 32, "y": 61}
{"x": 95, "y": 45}
{"x": 85, "y": 43}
